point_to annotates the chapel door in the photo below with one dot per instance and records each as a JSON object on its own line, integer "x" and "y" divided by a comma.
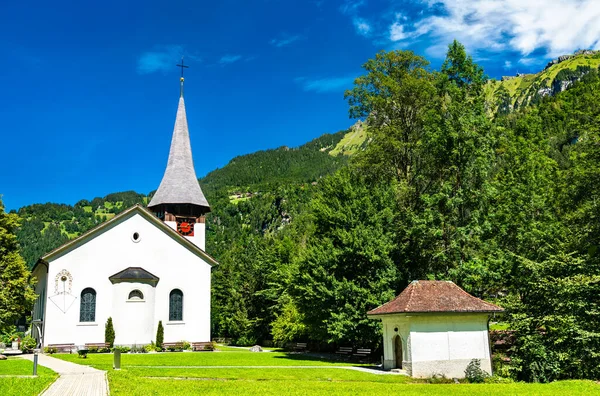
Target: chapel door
{"x": 398, "y": 351}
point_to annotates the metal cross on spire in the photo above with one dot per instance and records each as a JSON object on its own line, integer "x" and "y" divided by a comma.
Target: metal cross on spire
{"x": 183, "y": 66}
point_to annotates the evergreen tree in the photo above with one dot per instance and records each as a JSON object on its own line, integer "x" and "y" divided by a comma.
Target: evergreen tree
{"x": 347, "y": 267}
{"x": 160, "y": 334}
{"x": 109, "y": 333}
{"x": 16, "y": 286}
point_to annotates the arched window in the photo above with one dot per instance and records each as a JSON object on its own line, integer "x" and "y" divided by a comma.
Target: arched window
{"x": 87, "y": 311}
{"x": 176, "y": 305}
{"x": 136, "y": 295}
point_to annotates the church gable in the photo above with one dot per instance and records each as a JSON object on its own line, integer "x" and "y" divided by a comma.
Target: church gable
{"x": 135, "y": 236}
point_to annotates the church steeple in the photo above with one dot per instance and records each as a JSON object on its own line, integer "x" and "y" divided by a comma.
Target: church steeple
{"x": 179, "y": 198}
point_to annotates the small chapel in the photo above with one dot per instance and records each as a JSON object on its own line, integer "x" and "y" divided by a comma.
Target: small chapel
{"x": 435, "y": 328}
{"x": 143, "y": 266}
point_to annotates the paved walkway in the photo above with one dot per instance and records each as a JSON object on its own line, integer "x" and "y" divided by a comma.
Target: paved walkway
{"x": 74, "y": 379}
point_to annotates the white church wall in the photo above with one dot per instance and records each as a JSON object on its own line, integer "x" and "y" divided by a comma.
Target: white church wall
{"x": 110, "y": 252}
{"x": 133, "y": 319}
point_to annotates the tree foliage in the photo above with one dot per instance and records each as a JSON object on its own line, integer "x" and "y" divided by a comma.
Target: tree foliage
{"x": 16, "y": 286}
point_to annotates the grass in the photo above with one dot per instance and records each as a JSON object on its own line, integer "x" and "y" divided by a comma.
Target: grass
{"x": 23, "y": 386}
{"x": 230, "y": 358}
{"x": 500, "y": 326}
{"x": 225, "y": 348}
{"x": 138, "y": 377}
{"x": 351, "y": 142}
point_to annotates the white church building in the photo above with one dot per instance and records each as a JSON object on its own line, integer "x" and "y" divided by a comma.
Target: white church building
{"x": 143, "y": 266}
{"x": 435, "y": 328}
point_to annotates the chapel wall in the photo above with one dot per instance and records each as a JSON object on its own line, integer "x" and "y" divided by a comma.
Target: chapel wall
{"x": 446, "y": 344}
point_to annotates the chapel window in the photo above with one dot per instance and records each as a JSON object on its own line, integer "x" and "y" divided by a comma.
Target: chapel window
{"x": 87, "y": 312}
{"x": 176, "y": 305}
{"x": 136, "y": 295}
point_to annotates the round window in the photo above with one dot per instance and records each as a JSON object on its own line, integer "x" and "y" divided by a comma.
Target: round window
{"x": 135, "y": 237}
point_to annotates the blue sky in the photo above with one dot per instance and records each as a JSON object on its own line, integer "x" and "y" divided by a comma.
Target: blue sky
{"x": 90, "y": 89}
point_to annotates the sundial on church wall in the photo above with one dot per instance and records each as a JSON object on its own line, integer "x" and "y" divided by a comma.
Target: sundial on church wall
{"x": 63, "y": 298}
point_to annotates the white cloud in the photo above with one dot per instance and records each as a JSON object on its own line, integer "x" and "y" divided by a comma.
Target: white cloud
{"x": 507, "y": 65}
{"x": 325, "y": 85}
{"x": 362, "y": 26}
{"x": 284, "y": 40}
{"x": 397, "y": 32}
{"x": 227, "y": 59}
{"x": 525, "y": 26}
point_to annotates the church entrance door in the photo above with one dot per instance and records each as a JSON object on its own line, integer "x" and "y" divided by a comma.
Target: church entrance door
{"x": 398, "y": 351}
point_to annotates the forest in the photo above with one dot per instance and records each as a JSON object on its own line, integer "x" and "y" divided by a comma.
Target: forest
{"x": 451, "y": 184}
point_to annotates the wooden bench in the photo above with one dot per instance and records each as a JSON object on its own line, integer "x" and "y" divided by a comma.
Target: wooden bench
{"x": 98, "y": 345}
{"x": 202, "y": 346}
{"x": 362, "y": 353}
{"x": 344, "y": 351}
{"x": 300, "y": 347}
{"x": 62, "y": 347}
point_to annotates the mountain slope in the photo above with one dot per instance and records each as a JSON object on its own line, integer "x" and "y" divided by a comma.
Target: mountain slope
{"x": 258, "y": 175}
{"x": 514, "y": 92}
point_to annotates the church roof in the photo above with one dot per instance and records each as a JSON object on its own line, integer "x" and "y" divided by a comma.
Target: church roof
{"x": 179, "y": 184}
{"x": 134, "y": 274}
{"x": 145, "y": 213}
{"x": 423, "y": 296}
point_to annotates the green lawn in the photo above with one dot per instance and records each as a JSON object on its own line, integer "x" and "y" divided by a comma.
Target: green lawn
{"x": 23, "y": 386}
{"x": 228, "y": 358}
{"x": 138, "y": 377}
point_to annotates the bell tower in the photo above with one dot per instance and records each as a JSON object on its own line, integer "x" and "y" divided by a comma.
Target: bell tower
{"x": 179, "y": 200}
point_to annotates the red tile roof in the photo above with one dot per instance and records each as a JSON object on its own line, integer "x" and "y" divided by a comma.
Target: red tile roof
{"x": 434, "y": 296}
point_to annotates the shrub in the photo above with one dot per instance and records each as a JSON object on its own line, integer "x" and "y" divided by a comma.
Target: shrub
{"x": 474, "y": 373}
{"x": 123, "y": 349}
{"x": 185, "y": 345}
{"x": 439, "y": 379}
{"x": 138, "y": 349}
{"x": 28, "y": 344}
{"x": 160, "y": 335}
{"x": 103, "y": 350}
{"x": 150, "y": 347}
{"x": 109, "y": 333}
{"x": 501, "y": 365}
{"x": 50, "y": 350}
{"x": 244, "y": 341}
{"x": 496, "y": 379}
{"x": 93, "y": 349}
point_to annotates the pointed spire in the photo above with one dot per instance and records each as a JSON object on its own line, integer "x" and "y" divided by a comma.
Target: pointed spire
{"x": 183, "y": 66}
{"x": 179, "y": 184}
